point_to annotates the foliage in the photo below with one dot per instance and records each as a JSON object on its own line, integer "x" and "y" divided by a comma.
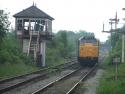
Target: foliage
{"x": 108, "y": 83}
{"x": 12, "y": 58}
{"x": 11, "y": 52}
{"x": 7, "y": 70}
{"x": 63, "y": 45}
{"x": 115, "y": 38}
{"x": 4, "y": 24}
{"x": 117, "y": 42}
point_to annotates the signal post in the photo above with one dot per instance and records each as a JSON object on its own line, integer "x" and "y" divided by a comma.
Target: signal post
{"x": 114, "y": 21}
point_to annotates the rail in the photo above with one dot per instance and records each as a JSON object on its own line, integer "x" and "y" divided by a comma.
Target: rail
{"x": 50, "y": 84}
{"x": 30, "y": 79}
{"x": 84, "y": 76}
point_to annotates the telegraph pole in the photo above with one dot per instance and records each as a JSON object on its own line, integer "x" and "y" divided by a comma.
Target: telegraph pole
{"x": 123, "y": 47}
{"x": 113, "y": 21}
{"x": 123, "y": 44}
{"x": 110, "y": 31}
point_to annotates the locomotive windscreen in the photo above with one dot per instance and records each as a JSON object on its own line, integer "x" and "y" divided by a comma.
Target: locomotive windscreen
{"x": 88, "y": 39}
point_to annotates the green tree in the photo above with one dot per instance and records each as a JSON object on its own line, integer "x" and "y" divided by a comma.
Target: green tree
{"x": 63, "y": 43}
{"x": 4, "y": 24}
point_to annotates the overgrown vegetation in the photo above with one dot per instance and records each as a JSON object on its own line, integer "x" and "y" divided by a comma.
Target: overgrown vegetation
{"x": 64, "y": 45}
{"x": 113, "y": 82}
{"x": 109, "y": 84}
{"x": 11, "y": 52}
{"x": 4, "y": 24}
{"x": 9, "y": 47}
{"x": 14, "y": 62}
{"x": 9, "y": 70}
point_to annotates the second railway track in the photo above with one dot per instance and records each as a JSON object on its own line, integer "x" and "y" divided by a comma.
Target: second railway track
{"x": 4, "y": 87}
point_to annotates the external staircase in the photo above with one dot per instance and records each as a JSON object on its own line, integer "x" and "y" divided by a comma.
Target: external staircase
{"x": 33, "y": 47}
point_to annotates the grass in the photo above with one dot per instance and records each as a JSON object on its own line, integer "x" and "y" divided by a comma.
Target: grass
{"x": 8, "y": 70}
{"x": 108, "y": 83}
{"x": 55, "y": 62}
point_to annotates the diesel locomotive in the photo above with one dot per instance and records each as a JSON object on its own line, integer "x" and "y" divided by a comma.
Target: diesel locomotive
{"x": 88, "y": 50}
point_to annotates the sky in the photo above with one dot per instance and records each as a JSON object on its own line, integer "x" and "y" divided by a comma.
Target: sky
{"x": 73, "y": 15}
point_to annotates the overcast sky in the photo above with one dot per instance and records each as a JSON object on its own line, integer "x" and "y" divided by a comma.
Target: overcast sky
{"x": 73, "y": 15}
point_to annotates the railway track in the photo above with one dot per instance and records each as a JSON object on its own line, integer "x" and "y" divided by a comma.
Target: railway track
{"x": 72, "y": 90}
{"x": 66, "y": 84}
{"x": 9, "y": 84}
{"x": 36, "y": 85}
{"x": 45, "y": 88}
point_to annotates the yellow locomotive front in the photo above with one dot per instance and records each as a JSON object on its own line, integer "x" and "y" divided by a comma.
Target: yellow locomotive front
{"x": 88, "y": 51}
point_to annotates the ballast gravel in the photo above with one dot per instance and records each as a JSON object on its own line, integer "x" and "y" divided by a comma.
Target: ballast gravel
{"x": 32, "y": 86}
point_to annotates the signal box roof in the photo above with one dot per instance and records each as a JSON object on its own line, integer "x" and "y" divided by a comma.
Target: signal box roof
{"x": 32, "y": 12}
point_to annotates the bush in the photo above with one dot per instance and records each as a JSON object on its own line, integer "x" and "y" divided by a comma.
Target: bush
{"x": 11, "y": 52}
{"x": 110, "y": 85}
{"x": 5, "y": 56}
